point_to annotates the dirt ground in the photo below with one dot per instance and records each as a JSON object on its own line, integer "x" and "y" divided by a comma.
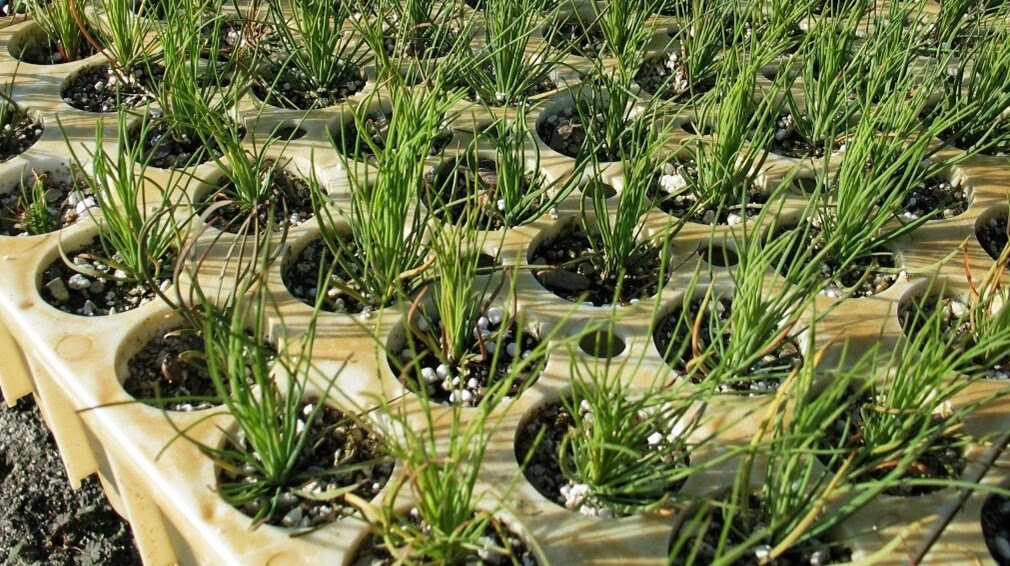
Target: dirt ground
{"x": 42, "y": 520}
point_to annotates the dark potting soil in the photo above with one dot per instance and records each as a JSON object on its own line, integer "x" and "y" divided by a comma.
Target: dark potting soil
{"x": 302, "y": 277}
{"x": 486, "y": 365}
{"x": 18, "y": 132}
{"x": 995, "y": 520}
{"x": 955, "y": 324}
{"x": 565, "y": 133}
{"x": 993, "y": 235}
{"x": 152, "y": 9}
{"x": 340, "y": 453}
{"x": 428, "y": 42}
{"x": 221, "y": 41}
{"x": 570, "y": 269}
{"x": 914, "y": 314}
{"x": 349, "y": 140}
{"x": 941, "y": 460}
{"x": 675, "y": 330}
{"x": 671, "y": 191}
{"x": 501, "y": 545}
{"x": 675, "y": 8}
{"x": 544, "y": 468}
{"x": 66, "y": 201}
{"x": 811, "y": 551}
{"x": 101, "y": 89}
{"x": 936, "y": 196}
{"x": 521, "y": 99}
{"x": 168, "y": 372}
{"x": 789, "y": 143}
{"x": 666, "y": 77}
{"x": 287, "y": 203}
{"x": 456, "y": 187}
{"x": 869, "y": 274}
{"x": 167, "y": 149}
{"x": 39, "y": 50}
{"x": 294, "y": 89}
{"x": 100, "y": 294}
{"x": 43, "y": 520}
{"x": 573, "y": 34}
{"x": 165, "y": 373}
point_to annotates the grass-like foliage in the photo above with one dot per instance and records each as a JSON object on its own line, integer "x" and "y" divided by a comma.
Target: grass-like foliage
{"x": 263, "y": 392}
{"x": 900, "y": 423}
{"x": 512, "y": 67}
{"x": 855, "y": 208}
{"x": 56, "y": 19}
{"x": 887, "y": 60}
{"x": 702, "y": 37}
{"x": 36, "y": 215}
{"x": 255, "y": 180}
{"x": 605, "y": 107}
{"x": 975, "y": 98}
{"x": 10, "y": 113}
{"x": 460, "y": 291}
{"x": 989, "y": 319}
{"x": 621, "y": 245}
{"x": 440, "y": 474}
{"x": 317, "y": 55}
{"x": 126, "y": 40}
{"x": 729, "y": 161}
{"x": 787, "y": 511}
{"x": 136, "y": 234}
{"x": 521, "y": 192}
{"x": 626, "y": 27}
{"x": 195, "y": 97}
{"x": 956, "y": 22}
{"x": 756, "y": 340}
{"x": 386, "y": 226}
{"x": 630, "y": 447}
{"x": 822, "y": 105}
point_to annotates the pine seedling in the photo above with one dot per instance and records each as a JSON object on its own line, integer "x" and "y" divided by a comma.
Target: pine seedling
{"x": 976, "y": 96}
{"x": 827, "y": 87}
{"x": 620, "y": 247}
{"x": 385, "y": 225}
{"x": 126, "y": 40}
{"x": 56, "y": 19}
{"x": 36, "y": 216}
{"x": 320, "y": 59}
{"x": 630, "y": 449}
{"x": 727, "y": 166}
{"x": 511, "y": 71}
{"x": 440, "y": 477}
{"x": 136, "y": 235}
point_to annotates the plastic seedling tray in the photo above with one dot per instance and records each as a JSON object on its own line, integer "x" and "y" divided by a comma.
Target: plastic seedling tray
{"x": 74, "y": 365}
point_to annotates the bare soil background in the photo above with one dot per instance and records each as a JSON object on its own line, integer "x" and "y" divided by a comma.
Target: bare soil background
{"x": 43, "y": 520}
